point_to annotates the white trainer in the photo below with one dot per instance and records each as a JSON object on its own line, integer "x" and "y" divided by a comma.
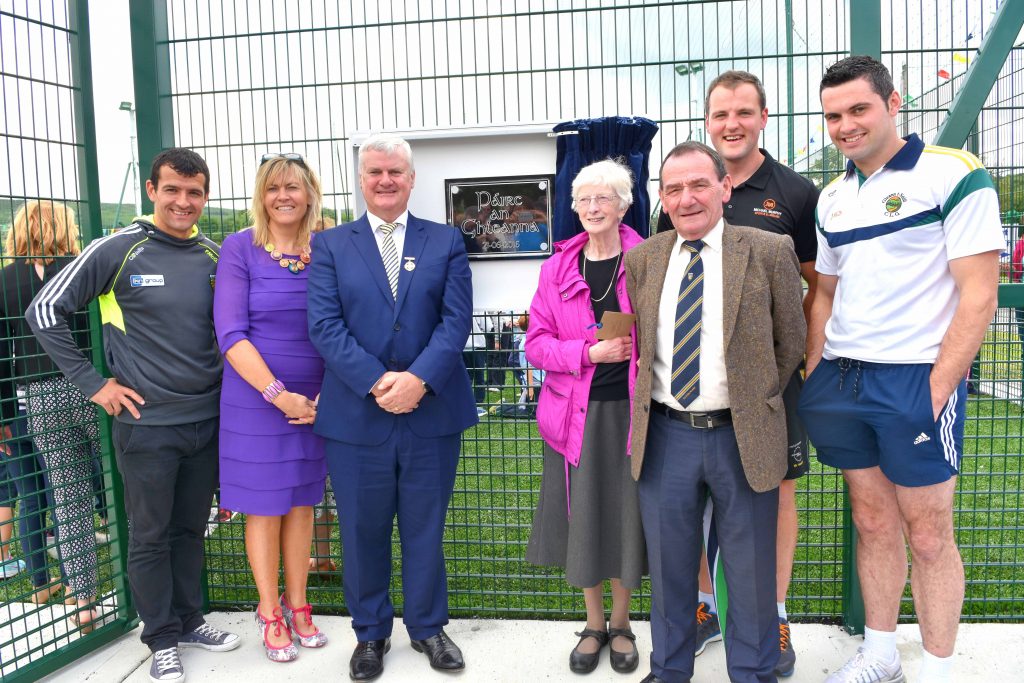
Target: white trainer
{"x": 866, "y": 667}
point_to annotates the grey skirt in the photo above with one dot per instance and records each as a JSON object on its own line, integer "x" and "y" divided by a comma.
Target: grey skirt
{"x": 602, "y": 538}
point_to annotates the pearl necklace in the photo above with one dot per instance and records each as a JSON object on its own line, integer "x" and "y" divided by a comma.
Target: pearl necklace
{"x": 292, "y": 264}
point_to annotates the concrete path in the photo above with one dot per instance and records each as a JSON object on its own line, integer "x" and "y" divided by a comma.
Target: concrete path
{"x": 525, "y": 651}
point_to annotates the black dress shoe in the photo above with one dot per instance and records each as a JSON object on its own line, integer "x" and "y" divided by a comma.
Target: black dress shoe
{"x": 444, "y": 655}
{"x": 651, "y": 678}
{"x": 623, "y": 662}
{"x": 585, "y": 662}
{"x": 368, "y": 659}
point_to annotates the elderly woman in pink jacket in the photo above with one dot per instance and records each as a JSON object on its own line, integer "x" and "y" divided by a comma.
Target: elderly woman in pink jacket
{"x": 588, "y": 517}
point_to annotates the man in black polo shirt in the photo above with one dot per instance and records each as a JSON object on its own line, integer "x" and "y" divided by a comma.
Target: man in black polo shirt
{"x": 772, "y": 197}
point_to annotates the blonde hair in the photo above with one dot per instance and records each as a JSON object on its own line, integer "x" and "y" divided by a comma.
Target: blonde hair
{"x": 272, "y": 171}
{"x": 42, "y": 230}
{"x": 324, "y": 223}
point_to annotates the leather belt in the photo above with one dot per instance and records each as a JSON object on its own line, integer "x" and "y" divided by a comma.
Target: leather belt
{"x": 711, "y": 420}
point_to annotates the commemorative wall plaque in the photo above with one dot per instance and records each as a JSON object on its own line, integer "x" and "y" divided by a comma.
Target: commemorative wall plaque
{"x": 507, "y": 217}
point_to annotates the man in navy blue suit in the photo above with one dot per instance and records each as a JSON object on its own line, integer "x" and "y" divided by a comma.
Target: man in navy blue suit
{"x": 390, "y": 308}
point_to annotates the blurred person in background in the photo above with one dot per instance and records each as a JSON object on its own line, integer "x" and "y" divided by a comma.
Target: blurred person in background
{"x": 61, "y": 421}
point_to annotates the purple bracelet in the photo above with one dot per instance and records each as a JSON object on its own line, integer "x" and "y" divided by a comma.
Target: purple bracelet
{"x": 273, "y": 390}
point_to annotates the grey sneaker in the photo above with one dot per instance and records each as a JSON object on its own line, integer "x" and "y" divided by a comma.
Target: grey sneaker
{"x": 787, "y": 657}
{"x": 866, "y": 667}
{"x": 166, "y": 666}
{"x": 708, "y": 629}
{"x": 209, "y": 638}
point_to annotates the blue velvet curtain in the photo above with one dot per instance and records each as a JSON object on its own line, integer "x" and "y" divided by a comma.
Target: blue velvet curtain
{"x": 625, "y": 137}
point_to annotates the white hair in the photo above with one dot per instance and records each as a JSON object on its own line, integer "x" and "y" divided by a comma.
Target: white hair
{"x": 610, "y": 173}
{"x": 387, "y": 143}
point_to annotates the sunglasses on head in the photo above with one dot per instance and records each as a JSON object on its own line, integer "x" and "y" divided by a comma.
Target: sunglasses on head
{"x": 290, "y": 156}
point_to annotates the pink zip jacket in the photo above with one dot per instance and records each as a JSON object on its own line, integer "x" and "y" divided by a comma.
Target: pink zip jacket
{"x": 558, "y": 339}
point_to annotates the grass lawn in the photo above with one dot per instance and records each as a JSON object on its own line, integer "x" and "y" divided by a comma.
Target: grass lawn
{"x": 495, "y": 494}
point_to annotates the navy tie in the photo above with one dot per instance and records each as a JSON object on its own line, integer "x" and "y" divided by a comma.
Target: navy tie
{"x": 686, "y": 346}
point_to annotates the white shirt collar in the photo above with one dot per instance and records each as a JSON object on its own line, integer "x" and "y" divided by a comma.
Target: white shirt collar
{"x": 376, "y": 221}
{"x": 713, "y": 239}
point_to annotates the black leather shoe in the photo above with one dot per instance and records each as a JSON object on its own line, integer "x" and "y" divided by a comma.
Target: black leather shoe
{"x": 651, "y": 678}
{"x": 623, "y": 662}
{"x": 585, "y": 662}
{"x": 444, "y": 655}
{"x": 368, "y": 659}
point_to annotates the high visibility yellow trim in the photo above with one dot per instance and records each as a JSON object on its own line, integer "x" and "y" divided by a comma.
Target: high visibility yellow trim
{"x": 110, "y": 311}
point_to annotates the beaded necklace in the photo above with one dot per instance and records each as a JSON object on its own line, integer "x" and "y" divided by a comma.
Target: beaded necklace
{"x": 295, "y": 265}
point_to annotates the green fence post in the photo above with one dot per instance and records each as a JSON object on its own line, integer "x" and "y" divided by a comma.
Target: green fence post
{"x": 866, "y": 28}
{"x": 981, "y": 75}
{"x": 1011, "y": 295}
{"x": 865, "y": 39}
{"x": 89, "y": 191}
{"x": 151, "y": 62}
{"x": 853, "y": 600}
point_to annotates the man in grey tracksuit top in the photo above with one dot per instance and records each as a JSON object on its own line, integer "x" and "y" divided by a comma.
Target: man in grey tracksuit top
{"x": 154, "y": 282}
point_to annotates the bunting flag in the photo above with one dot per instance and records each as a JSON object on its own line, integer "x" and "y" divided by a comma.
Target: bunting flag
{"x": 959, "y": 57}
{"x": 943, "y": 73}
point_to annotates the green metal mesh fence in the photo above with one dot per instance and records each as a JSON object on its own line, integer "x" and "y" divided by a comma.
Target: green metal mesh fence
{"x": 57, "y": 492}
{"x": 234, "y": 80}
{"x": 266, "y": 80}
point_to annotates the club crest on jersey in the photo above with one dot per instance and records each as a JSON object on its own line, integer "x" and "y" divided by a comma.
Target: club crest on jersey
{"x": 893, "y": 204}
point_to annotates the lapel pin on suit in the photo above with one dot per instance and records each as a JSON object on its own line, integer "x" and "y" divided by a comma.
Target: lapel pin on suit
{"x": 410, "y": 263}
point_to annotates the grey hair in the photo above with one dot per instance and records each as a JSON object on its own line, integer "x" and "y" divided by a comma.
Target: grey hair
{"x": 609, "y": 172}
{"x": 388, "y": 143}
{"x": 694, "y": 147}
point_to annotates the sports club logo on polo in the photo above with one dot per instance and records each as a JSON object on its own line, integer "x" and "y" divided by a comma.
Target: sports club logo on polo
{"x": 893, "y": 204}
{"x": 146, "y": 280}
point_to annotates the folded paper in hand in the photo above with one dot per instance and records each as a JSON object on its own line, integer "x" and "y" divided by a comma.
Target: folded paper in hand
{"x": 615, "y": 324}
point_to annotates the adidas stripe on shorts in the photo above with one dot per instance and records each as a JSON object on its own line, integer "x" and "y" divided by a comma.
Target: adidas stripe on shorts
{"x": 861, "y": 415}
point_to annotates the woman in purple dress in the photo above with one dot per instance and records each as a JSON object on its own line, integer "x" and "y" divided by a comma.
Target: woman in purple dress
{"x": 271, "y": 464}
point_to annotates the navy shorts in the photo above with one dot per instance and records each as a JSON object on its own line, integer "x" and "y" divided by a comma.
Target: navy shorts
{"x": 861, "y": 415}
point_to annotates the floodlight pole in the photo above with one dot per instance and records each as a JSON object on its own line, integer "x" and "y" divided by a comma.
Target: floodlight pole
{"x": 136, "y": 188}
{"x": 690, "y": 69}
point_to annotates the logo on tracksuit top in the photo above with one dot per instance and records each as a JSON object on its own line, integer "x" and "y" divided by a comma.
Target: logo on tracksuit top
{"x": 146, "y": 280}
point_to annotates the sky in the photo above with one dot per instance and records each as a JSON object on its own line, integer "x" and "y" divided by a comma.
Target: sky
{"x": 112, "y": 84}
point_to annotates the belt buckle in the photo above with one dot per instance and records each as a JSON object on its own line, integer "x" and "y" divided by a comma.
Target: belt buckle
{"x": 704, "y": 423}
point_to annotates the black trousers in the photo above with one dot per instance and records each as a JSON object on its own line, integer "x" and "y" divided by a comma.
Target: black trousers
{"x": 169, "y": 473}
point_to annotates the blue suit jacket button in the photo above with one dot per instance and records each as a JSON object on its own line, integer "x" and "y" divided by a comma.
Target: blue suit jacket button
{"x": 398, "y": 327}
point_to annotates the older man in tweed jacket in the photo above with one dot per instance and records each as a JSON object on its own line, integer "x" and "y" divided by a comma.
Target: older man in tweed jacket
{"x": 720, "y": 332}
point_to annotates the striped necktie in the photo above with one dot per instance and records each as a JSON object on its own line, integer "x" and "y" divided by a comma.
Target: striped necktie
{"x": 686, "y": 348}
{"x": 389, "y": 254}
